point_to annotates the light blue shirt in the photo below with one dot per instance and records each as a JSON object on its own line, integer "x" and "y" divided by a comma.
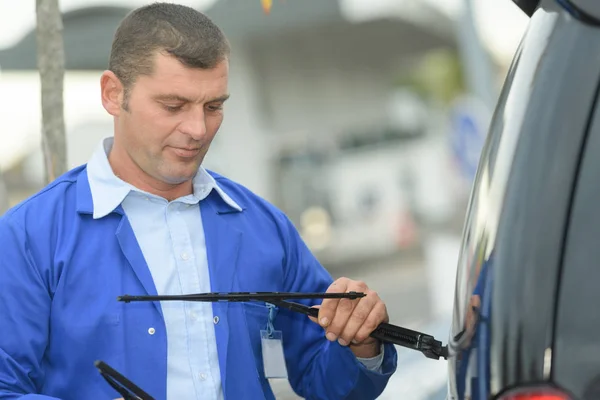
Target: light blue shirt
{"x": 171, "y": 237}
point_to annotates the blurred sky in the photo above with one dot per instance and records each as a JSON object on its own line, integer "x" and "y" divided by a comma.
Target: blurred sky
{"x": 500, "y": 22}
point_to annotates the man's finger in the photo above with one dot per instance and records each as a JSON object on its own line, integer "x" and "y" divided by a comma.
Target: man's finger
{"x": 344, "y": 310}
{"x": 329, "y": 306}
{"x": 314, "y": 319}
{"x": 359, "y": 315}
{"x": 377, "y": 315}
{"x": 340, "y": 319}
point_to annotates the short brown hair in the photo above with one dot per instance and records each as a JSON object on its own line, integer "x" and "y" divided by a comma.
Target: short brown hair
{"x": 185, "y": 33}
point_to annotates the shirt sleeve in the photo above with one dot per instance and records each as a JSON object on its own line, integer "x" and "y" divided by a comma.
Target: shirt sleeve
{"x": 25, "y": 308}
{"x": 318, "y": 368}
{"x": 374, "y": 363}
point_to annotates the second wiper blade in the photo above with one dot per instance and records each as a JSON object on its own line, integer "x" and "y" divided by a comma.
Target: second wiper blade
{"x": 242, "y": 296}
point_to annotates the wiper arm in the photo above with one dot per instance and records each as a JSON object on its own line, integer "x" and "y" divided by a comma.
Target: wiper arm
{"x": 388, "y": 333}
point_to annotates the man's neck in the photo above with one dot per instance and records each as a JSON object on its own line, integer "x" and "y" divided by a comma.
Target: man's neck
{"x": 126, "y": 170}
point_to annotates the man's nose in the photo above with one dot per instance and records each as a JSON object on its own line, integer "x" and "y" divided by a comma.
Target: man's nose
{"x": 194, "y": 124}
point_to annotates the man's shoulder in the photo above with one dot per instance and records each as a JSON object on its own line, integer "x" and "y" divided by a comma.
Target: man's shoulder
{"x": 58, "y": 193}
{"x": 245, "y": 197}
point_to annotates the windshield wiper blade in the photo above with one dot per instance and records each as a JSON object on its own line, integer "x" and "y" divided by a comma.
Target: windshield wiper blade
{"x": 125, "y": 387}
{"x": 426, "y": 344}
{"x": 242, "y": 296}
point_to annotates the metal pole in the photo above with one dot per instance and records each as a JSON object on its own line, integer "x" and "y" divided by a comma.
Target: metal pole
{"x": 476, "y": 60}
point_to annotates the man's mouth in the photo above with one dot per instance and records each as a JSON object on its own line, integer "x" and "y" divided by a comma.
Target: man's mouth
{"x": 186, "y": 152}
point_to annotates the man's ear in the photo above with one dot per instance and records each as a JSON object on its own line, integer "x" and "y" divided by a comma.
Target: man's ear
{"x": 112, "y": 92}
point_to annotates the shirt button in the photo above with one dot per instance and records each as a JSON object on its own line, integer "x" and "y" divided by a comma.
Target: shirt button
{"x": 193, "y": 316}
{"x": 216, "y": 320}
{"x": 202, "y": 376}
{"x": 151, "y": 331}
{"x": 185, "y": 256}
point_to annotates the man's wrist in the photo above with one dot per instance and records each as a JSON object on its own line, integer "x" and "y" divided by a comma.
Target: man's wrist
{"x": 366, "y": 350}
{"x": 374, "y": 364}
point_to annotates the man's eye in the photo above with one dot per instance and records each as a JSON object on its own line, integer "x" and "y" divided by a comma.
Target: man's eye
{"x": 171, "y": 108}
{"x": 215, "y": 107}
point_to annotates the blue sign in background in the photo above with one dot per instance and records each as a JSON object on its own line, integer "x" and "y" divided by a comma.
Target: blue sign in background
{"x": 469, "y": 129}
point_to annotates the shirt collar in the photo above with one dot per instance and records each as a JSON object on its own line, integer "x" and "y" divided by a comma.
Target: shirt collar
{"x": 108, "y": 190}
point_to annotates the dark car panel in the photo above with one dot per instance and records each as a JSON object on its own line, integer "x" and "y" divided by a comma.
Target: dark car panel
{"x": 576, "y": 361}
{"x": 591, "y": 8}
{"x": 532, "y": 226}
{"x": 510, "y": 261}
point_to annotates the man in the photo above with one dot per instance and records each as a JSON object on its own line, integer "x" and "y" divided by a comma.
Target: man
{"x": 143, "y": 217}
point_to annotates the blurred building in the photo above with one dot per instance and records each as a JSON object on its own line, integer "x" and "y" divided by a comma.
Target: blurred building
{"x": 315, "y": 123}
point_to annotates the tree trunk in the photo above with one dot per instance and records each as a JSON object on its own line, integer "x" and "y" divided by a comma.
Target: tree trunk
{"x": 3, "y": 196}
{"x": 51, "y": 63}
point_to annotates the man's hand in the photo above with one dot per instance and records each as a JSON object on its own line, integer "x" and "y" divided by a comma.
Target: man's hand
{"x": 350, "y": 322}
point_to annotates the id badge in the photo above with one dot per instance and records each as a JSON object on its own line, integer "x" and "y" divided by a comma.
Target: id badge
{"x": 272, "y": 352}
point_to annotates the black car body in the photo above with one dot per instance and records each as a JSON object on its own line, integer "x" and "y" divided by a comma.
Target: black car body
{"x": 526, "y": 321}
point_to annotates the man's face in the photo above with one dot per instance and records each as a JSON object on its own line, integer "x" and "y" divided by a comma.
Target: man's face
{"x": 171, "y": 119}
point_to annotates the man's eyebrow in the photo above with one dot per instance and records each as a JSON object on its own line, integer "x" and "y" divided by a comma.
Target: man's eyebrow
{"x": 220, "y": 99}
{"x": 176, "y": 97}
{"x": 172, "y": 97}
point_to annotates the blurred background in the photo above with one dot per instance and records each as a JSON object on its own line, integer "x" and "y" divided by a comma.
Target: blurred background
{"x": 362, "y": 120}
